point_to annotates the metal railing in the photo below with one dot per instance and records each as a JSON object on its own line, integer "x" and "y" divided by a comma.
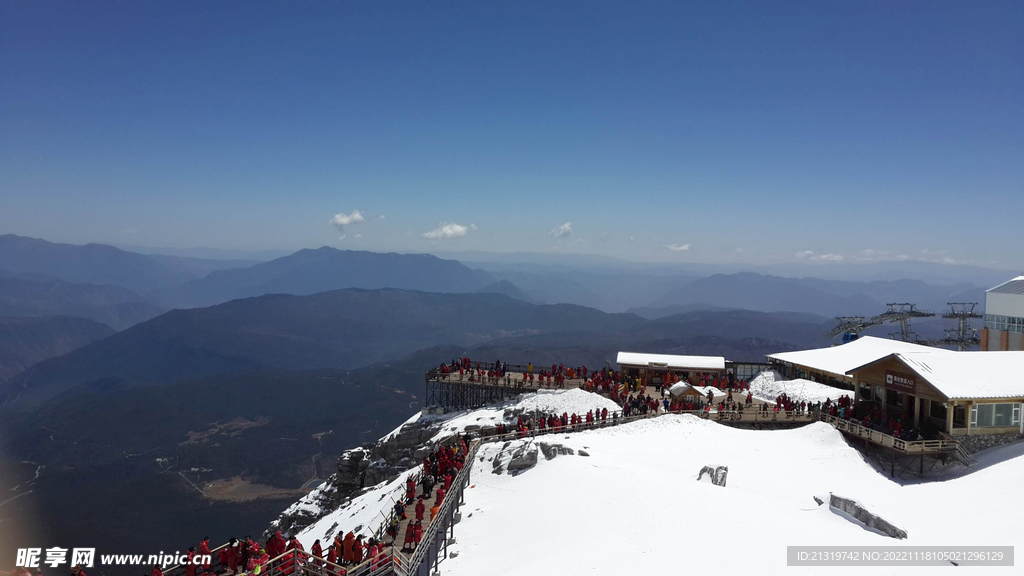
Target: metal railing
{"x": 442, "y": 520}
{"x": 941, "y": 445}
{"x": 510, "y": 379}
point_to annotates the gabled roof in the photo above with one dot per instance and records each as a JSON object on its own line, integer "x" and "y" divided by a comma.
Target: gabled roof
{"x": 845, "y": 357}
{"x": 966, "y": 375}
{"x": 671, "y": 361}
{"x": 1015, "y": 286}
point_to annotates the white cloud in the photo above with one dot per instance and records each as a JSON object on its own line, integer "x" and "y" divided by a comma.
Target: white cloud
{"x": 632, "y": 238}
{"x": 679, "y": 247}
{"x": 341, "y": 220}
{"x": 381, "y": 217}
{"x": 448, "y": 230}
{"x": 358, "y": 236}
{"x": 872, "y": 255}
{"x": 342, "y": 237}
{"x": 561, "y": 231}
{"x": 813, "y": 257}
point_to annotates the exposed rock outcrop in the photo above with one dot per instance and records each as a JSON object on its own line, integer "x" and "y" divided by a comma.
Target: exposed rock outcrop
{"x": 360, "y": 468}
{"x": 717, "y": 474}
{"x": 858, "y": 512}
{"x": 523, "y": 459}
{"x": 552, "y": 450}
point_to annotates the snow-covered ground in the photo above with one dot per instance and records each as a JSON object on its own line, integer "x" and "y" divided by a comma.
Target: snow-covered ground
{"x": 568, "y": 401}
{"x": 769, "y": 385}
{"x": 633, "y": 506}
{"x": 362, "y": 514}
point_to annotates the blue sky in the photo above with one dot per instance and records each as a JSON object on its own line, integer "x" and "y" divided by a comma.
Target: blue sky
{"x": 731, "y": 131}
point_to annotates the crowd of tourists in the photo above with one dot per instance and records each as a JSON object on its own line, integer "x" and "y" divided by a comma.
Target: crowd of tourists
{"x": 439, "y": 469}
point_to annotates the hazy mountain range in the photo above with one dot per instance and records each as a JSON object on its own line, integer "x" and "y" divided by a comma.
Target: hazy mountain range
{"x": 25, "y": 342}
{"x": 323, "y": 269}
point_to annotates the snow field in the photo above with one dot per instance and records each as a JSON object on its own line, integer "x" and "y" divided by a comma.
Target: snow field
{"x": 573, "y": 400}
{"x": 634, "y": 505}
{"x": 768, "y": 385}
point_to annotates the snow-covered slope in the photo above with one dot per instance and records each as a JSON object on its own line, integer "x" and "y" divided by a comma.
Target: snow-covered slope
{"x": 769, "y": 385}
{"x": 542, "y": 402}
{"x": 324, "y": 511}
{"x": 364, "y": 514}
{"x": 633, "y": 505}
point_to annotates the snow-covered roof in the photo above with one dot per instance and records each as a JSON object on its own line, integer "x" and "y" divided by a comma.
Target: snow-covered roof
{"x": 845, "y": 357}
{"x": 679, "y": 388}
{"x": 671, "y": 361}
{"x": 969, "y": 374}
{"x": 1015, "y": 286}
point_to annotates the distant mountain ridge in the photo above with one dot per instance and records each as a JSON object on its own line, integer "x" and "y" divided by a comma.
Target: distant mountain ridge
{"x": 827, "y": 298}
{"x": 508, "y": 289}
{"x": 102, "y": 264}
{"x": 322, "y": 269}
{"x": 337, "y": 329}
{"x": 114, "y": 306}
{"x": 25, "y": 342}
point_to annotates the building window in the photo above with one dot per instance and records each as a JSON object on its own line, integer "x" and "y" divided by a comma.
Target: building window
{"x": 893, "y": 398}
{"x": 1004, "y": 323}
{"x": 937, "y": 410}
{"x": 865, "y": 393}
{"x": 959, "y": 415}
{"x": 995, "y": 415}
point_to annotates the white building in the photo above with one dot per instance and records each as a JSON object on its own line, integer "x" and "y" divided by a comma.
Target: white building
{"x": 1004, "y": 317}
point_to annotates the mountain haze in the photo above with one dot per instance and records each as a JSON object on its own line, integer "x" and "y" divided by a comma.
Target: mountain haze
{"x": 114, "y": 306}
{"x": 338, "y": 329}
{"x": 827, "y": 298}
{"x": 28, "y": 341}
{"x": 318, "y": 270}
{"x": 102, "y": 264}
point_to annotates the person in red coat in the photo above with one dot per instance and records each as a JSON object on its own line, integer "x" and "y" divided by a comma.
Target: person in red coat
{"x": 419, "y": 532}
{"x": 447, "y": 482}
{"x": 357, "y": 550}
{"x": 275, "y": 545}
{"x": 346, "y": 551}
{"x": 190, "y": 565}
{"x": 318, "y": 552}
{"x": 410, "y": 536}
{"x": 259, "y": 558}
{"x": 296, "y": 556}
{"x": 204, "y": 551}
{"x": 440, "y": 494}
{"x": 420, "y": 509}
{"x": 156, "y": 571}
{"x": 234, "y": 555}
